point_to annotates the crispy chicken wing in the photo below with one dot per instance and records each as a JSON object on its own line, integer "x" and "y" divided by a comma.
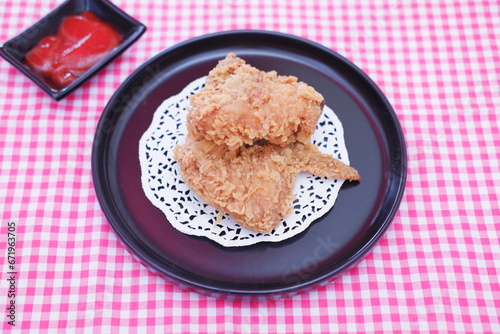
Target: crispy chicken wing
{"x": 241, "y": 104}
{"x": 253, "y": 184}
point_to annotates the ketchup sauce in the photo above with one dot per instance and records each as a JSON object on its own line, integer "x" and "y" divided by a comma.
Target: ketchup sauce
{"x": 80, "y": 42}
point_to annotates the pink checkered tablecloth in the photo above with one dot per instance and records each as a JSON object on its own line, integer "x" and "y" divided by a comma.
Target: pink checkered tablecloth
{"x": 437, "y": 268}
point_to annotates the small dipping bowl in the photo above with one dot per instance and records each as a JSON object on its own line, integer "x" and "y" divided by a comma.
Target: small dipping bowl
{"x": 16, "y": 48}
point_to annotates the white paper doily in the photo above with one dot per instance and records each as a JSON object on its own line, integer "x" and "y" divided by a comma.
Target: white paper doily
{"x": 163, "y": 186}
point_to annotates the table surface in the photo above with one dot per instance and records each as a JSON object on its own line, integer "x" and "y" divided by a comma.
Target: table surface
{"x": 435, "y": 270}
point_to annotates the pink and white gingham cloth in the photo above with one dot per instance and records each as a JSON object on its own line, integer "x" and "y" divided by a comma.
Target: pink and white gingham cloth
{"x": 435, "y": 271}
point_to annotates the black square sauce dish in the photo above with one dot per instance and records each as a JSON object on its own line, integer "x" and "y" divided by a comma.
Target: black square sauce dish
{"x": 16, "y": 49}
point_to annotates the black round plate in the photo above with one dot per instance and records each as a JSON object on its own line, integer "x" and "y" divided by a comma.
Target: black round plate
{"x": 333, "y": 243}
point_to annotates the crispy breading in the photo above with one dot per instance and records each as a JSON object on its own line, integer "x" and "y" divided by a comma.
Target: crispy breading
{"x": 254, "y": 183}
{"x": 248, "y": 137}
{"x": 241, "y": 104}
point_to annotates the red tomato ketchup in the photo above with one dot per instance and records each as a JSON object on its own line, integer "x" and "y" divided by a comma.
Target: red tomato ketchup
{"x": 80, "y": 42}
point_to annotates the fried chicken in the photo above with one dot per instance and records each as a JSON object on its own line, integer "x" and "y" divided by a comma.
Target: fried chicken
{"x": 248, "y": 137}
{"x": 253, "y": 184}
{"x": 241, "y": 104}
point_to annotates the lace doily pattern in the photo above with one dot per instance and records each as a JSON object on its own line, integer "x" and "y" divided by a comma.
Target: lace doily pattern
{"x": 163, "y": 185}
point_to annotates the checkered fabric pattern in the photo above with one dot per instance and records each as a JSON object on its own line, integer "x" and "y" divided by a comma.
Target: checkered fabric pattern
{"x": 437, "y": 268}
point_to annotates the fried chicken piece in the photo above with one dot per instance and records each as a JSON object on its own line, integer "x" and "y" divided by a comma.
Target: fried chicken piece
{"x": 253, "y": 184}
{"x": 241, "y": 104}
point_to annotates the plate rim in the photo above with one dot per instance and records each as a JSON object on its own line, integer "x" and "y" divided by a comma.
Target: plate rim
{"x": 190, "y": 284}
